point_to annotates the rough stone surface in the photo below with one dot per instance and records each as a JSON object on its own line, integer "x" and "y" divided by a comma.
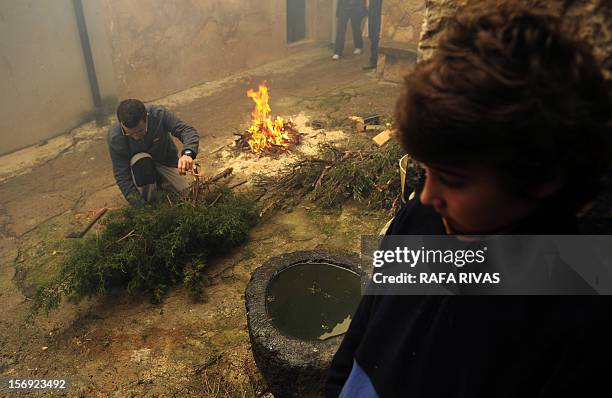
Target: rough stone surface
{"x": 402, "y": 20}
{"x": 401, "y": 27}
{"x": 393, "y": 69}
{"x": 590, "y": 19}
{"x": 168, "y": 46}
{"x": 165, "y": 47}
{"x": 292, "y": 367}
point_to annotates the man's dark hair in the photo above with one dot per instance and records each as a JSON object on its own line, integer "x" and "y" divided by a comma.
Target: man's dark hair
{"x": 509, "y": 90}
{"x": 130, "y": 112}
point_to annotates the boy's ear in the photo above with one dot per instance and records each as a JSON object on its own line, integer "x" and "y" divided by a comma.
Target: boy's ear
{"x": 549, "y": 187}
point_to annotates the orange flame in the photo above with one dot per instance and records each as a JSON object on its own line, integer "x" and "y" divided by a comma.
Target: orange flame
{"x": 265, "y": 132}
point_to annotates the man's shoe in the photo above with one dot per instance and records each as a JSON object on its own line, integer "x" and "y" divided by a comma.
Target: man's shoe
{"x": 357, "y": 51}
{"x": 368, "y": 67}
{"x": 336, "y": 57}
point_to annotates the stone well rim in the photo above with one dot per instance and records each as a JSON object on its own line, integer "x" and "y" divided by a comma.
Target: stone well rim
{"x": 260, "y": 323}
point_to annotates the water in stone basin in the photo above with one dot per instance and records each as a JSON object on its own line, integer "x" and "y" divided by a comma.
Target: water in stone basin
{"x": 313, "y": 301}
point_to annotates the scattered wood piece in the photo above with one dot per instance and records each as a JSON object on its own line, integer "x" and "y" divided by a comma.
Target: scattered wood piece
{"x": 346, "y": 155}
{"x": 131, "y": 233}
{"x": 199, "y": 184}
{"x": 358, "y": 119}
{"x": 217, "y": 150}
{"x": 126, "y": 236}
{"x": 96, "y": 217}
{"x": 215, "y": 201}
{"x": 258, "y": 198}
{"x": 382, "y": 138}
{"x": 225, "y": 173}
{"x": 269, "y": 207}
{"x": 360, "y": 127}
{"x": 373, "y": 119}
{"x": 316, "y": 124}
{"x": 374, "y": 127}
{"x": 317, "y": 184}
{"x": 211, "y": 361}
{"x": 237, "y": 184}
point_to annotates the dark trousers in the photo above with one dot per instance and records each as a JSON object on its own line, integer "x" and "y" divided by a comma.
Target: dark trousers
{"x": 374, "y": 17}
{"x": 343, "y": 18}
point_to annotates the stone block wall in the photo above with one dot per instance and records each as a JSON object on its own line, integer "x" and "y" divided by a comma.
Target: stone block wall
{"x": 161, "y": 47}
{"x": 402, "y": 20}
{"x": 590, "y": 19}
{"x": 400, "y": 32}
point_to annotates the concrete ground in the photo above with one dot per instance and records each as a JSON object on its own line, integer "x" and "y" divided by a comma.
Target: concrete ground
{"x": 125, "y": 346}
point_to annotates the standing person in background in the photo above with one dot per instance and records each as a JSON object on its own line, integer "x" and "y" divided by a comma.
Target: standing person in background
{"x": 374, "y": 21}
{"x": 355, "y": 10}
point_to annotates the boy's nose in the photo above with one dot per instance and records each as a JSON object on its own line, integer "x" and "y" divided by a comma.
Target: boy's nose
{"x": 431, "y": 197}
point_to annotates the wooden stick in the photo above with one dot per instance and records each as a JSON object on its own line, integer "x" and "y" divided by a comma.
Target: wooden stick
{"x": 238, "y": 184}
{"x": 317, "y": 184}
{"x": 215, "y": 201}
{"x": 223, "y": 174}
{"x": 81, "y": 233}
{"x": 126, "y": 236}
{"x": 217, "y": 150}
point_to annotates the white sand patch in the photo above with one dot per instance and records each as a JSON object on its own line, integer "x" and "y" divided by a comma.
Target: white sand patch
{"x": 249, "y": 164}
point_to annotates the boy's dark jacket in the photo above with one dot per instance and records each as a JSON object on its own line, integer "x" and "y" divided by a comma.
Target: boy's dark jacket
{"x": 478, "y": 346}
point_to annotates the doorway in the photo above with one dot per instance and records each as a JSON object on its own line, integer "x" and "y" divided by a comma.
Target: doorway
{"x": 296, "y": 20}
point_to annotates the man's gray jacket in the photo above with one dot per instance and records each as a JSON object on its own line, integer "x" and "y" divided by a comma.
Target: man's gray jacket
{"x": 157, "y": 142}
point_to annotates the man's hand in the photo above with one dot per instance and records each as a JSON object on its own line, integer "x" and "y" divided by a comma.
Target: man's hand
{"x": 184, "y": 164}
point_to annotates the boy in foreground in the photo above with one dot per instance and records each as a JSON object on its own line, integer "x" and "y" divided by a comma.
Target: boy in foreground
{"x": 511, "y": 120}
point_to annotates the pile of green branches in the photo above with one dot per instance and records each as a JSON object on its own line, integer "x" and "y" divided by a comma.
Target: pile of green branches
{"x": 151, "y": 248}
{"x": 361, "y": 172}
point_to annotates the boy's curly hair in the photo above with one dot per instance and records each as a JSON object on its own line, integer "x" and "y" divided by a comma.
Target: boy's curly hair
{"x": 510, "y": 90}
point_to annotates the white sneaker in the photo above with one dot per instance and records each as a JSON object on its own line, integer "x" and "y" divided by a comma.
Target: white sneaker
{"x": 336, "y": 57}
{"x": 357, "y": 51}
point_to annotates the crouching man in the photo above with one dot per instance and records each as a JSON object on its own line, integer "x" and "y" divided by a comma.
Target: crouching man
{"x": 143, "y": 153}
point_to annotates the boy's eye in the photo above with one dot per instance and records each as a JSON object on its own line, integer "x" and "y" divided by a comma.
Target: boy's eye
{"x": 446, "y": 180}
{"x": 451, "y": 182}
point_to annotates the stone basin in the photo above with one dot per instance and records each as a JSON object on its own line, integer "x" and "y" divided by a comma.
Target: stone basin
{"x": 299, "y": 305}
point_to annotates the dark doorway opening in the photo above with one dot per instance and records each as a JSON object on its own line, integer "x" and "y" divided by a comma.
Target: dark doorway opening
{"x": 296, "y": 20}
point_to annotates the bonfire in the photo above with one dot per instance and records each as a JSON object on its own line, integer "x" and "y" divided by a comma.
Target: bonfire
{"x": 265, "y": 133}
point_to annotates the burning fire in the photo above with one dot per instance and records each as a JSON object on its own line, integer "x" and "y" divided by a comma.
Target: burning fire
{"x": 264, "y": 132}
